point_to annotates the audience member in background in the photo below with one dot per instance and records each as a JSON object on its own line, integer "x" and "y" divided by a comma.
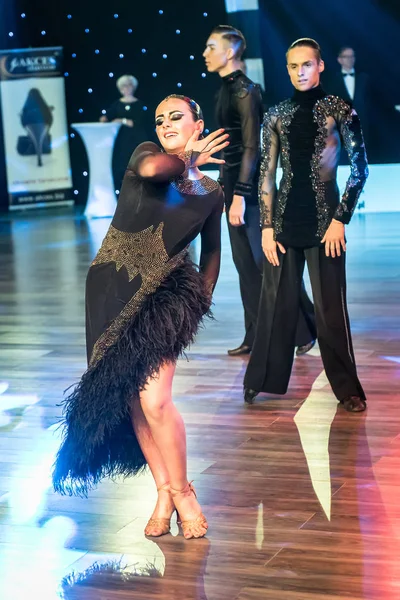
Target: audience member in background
{"x": 131, "y": 113}
{"x": 351, "y": 85}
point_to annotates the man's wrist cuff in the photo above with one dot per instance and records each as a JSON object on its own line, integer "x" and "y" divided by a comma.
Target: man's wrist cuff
{"x": 243, "y": 189}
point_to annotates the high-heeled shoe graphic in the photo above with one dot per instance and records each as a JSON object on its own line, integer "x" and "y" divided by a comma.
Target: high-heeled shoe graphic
{"x": 36, "y": 118}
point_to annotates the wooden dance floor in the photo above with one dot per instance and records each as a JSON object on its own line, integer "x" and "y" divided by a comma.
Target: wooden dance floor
{"x": 303, "y": 499}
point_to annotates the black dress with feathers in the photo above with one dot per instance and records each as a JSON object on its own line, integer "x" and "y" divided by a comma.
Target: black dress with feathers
{"x": 145, "y": 301}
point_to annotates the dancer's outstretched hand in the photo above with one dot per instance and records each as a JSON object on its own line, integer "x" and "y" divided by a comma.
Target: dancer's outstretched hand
{"x": 203, "y": 150}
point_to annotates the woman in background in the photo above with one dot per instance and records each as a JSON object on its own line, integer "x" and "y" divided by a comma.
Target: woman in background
{"x": 131, "y": 113}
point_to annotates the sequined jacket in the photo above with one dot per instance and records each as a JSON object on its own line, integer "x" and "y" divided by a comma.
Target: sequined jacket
{"x": 337, "y": 123}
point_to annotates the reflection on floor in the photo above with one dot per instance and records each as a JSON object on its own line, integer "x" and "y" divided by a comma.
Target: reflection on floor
{"x": 313, "y": 421}
{"x": 303, "y": 499}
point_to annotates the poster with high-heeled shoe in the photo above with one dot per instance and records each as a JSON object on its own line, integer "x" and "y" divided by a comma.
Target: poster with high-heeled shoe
{"x": 35, "y": 127}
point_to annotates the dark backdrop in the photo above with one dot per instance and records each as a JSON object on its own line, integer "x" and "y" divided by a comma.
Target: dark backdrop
{"x": 371, "y": 27}
{"x": 151, "y": 31}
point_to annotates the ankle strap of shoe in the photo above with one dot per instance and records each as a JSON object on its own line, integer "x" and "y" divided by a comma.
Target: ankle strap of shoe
{"x": 186, "y": 491}
{"x": 165, "y": 487}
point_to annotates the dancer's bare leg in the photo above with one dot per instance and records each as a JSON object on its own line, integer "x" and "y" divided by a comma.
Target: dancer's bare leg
{"x": 165, "y": 505}
{"x": 168, "y": 432}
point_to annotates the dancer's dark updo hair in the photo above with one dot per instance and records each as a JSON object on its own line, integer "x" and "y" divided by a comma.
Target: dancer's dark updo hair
{"x": 194, "y": 107}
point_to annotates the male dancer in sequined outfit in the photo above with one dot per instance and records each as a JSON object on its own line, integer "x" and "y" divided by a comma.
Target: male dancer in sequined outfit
{"x": 239, "y": 111}
{"x": 305, "y": 221}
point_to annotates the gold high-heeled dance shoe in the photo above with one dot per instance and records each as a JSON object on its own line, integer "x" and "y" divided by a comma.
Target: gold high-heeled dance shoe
{"x": 189, "y": 525}
{"x": 163, "y": 525}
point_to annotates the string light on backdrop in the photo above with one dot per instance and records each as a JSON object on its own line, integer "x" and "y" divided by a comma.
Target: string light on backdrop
{"x": 153, "y": 42}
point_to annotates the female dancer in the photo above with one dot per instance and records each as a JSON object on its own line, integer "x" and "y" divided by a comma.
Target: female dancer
{"x": 144, "y": 303}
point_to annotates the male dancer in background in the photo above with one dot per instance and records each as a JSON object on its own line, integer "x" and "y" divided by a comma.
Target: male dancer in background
{"x": 305, "y": 221}
{"x": 239, "y": 111}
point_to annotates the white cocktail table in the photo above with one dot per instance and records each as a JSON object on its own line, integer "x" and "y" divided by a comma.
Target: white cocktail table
{"x": 99, "y": 141}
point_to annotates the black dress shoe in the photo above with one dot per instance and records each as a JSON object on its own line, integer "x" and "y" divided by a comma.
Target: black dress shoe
{"x": 242, "y": 349}
{"x": 249, "y": 395}
{"x": 354, "y": 404}
{"x": 306, "y": 348}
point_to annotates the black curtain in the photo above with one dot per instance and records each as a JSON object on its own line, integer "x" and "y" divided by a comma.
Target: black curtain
{"x": 179, "y": 32}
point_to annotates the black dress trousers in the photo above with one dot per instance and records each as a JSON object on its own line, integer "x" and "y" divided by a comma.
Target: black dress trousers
{"x": 271, "y": 361}
{"x": 247, "y": 256}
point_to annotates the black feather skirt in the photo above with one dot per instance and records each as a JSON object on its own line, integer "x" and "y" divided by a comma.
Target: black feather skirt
{"x": 153, "y": 329}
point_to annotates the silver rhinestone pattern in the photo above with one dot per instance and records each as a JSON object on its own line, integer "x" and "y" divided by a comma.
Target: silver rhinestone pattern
{"x": 341, "y": 112}
{"x": 142, "y": 253}
{"x": 286, "y": 111}
{"x": 335, "y": 107}
{"x": 356, "y": 180}
{"x": 265, "y": 211}
{"x": 321, "y": 111}
{"x": 194, "y": 187}
{"x": 283, "y": 111}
